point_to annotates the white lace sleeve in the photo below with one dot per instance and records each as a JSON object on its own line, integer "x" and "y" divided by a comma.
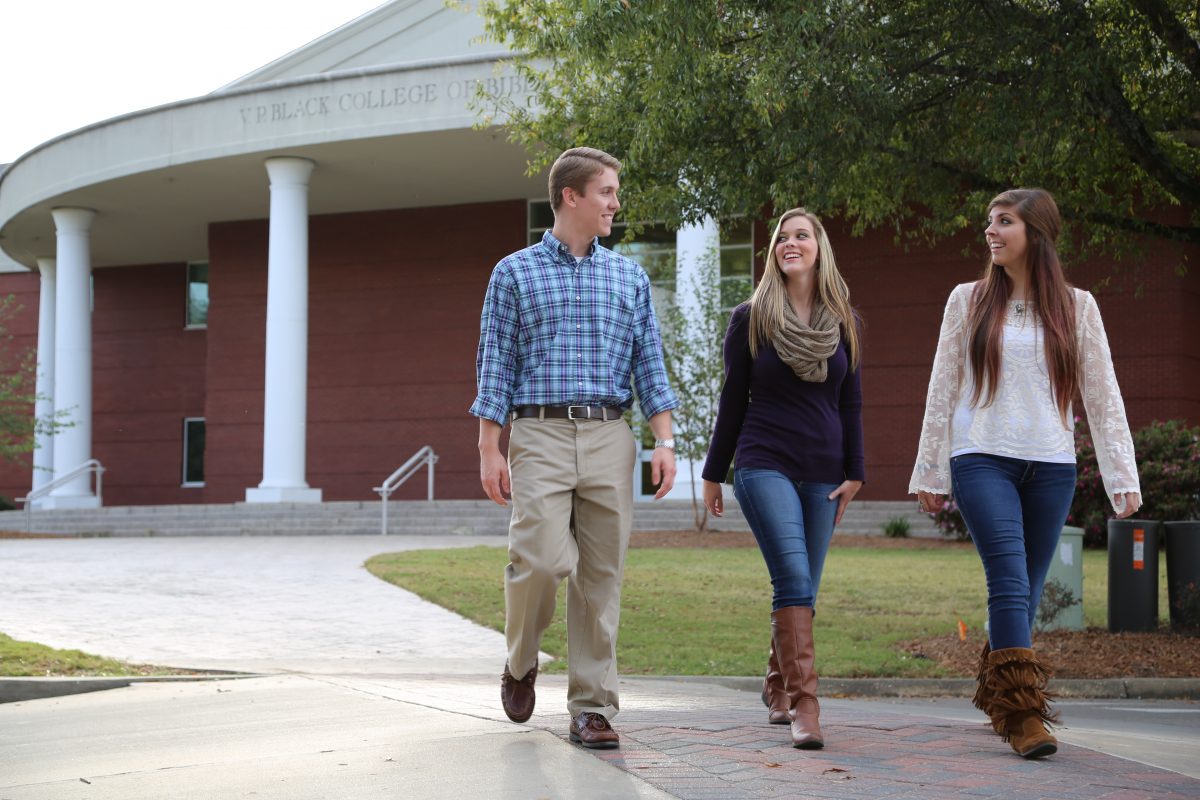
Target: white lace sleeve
{"x": 932, "y": 470}
{"x": 1102, "y": 401}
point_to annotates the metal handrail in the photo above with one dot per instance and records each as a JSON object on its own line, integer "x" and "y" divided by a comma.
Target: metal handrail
{"x": 424, "y": 456}
{"x": 91, "y": 465}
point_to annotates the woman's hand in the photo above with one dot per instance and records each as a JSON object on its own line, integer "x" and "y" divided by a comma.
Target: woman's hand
{"x": 1126, "y": 504}
{"x": 714, "y": 500}
{"x": 930, "y": 503}
{"x": 844, "y": 494}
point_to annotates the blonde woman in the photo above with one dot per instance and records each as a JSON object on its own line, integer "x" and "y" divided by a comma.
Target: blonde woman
{"x": 791, "y": 412}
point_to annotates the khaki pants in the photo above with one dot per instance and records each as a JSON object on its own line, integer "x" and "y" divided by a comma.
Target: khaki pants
{"x": 572, "y": 509}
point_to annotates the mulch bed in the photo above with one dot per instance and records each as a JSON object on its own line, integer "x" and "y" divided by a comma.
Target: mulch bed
{"x": 1091, "y": 653}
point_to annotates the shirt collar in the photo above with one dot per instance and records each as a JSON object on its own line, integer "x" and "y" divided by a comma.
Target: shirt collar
{"x": 551, "y": 241}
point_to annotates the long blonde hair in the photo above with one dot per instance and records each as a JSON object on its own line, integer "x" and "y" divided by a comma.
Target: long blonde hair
{"x": 770, "y": 296}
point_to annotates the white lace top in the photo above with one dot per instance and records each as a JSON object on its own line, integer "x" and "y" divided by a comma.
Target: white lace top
{"x": 1023, "y": 419}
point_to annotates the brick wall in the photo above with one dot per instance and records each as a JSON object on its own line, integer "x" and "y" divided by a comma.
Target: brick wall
{"x": 394, "y": 320}
{"x": 1150, "y": 314}
{"x": 394, "y": 305}
{"x": 148, "y": 374}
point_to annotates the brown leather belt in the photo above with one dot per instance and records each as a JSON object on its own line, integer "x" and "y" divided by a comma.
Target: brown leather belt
{"x": 598, "y": 413}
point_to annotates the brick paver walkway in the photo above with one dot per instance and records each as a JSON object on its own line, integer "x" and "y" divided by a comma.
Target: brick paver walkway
{"x": 733, "y": 754}
{"x": 700, "y": 741}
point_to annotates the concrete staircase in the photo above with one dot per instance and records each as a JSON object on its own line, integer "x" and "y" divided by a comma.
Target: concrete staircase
{"x": 442, "y": 517}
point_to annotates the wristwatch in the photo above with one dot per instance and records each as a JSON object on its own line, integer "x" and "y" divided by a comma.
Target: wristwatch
{"x": 667, "y": 443}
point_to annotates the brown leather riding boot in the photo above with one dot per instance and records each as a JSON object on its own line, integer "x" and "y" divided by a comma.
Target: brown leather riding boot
{"x": 1019, "y": 703}
{"x": 792, "y": 633}
{"x": 773, "y": 695}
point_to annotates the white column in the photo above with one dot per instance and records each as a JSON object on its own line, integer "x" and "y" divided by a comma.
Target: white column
{"x": 73, "y": 357}
{"x": 695, "y": 248}
{"x": 43, "y": 409}
{"x": 285, "y": 401}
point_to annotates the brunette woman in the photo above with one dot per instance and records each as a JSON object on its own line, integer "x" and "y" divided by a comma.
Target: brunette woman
{"x": 1015, "y": 348}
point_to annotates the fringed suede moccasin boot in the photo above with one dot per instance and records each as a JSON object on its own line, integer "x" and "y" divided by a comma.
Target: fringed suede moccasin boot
{"x": 983, "y": 695}
{"x": 1019, "y": 705}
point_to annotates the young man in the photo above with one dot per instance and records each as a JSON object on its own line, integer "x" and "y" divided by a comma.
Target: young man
{"x": 566, "y": 323}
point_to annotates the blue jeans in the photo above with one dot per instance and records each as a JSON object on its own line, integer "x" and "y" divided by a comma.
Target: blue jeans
{"x": 1015, "y": 510}
{"x": 793, "y": 523}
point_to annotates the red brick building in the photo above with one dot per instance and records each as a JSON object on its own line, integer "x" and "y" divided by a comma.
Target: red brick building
{"x": 404, "y": 209}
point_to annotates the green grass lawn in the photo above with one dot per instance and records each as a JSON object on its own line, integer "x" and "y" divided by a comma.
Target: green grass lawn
{"x": 28, "y": 659}
{"x": 707, "y": 611}
{"x": 698, "y": 611}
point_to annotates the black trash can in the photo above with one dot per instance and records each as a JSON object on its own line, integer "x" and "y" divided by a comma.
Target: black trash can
{"x": 1133, "y": 574}
{"x": 1183, "y": 573}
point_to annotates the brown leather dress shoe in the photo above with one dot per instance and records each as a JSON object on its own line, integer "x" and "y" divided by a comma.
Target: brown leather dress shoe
{"x": 517, "y": 696}
{"x": 593, "y": 731}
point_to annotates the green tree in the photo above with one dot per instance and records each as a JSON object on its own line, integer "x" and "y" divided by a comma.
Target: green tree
{"x": 693, "y": 329}
{"x": 906, "y": 114}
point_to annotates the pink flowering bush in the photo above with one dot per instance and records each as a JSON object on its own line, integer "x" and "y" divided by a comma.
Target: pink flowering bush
{"x": 950, "y": 522}
{"x": 1168, "y": 458}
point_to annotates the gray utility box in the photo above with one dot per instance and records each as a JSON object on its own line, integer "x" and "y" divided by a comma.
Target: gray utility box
{"x": 1065, "y": 575}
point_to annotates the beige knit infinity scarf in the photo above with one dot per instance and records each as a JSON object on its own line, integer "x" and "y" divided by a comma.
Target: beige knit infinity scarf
{"x": 807, "y": 348}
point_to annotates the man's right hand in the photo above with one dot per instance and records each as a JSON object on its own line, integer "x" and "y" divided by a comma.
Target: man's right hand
{"x": 493, "y": 466}
{"x": 493, "y": 474}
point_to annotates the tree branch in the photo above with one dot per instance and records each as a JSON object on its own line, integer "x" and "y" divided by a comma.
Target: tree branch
{"x": 1177, "y": 233}
{"x": 1173, "y": 33}
{"x": 1127, "y": 125}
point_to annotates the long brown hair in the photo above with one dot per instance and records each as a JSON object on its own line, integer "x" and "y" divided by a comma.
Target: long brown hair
{"x": 1051, "y": 295}
{"x": 767, "y": 302}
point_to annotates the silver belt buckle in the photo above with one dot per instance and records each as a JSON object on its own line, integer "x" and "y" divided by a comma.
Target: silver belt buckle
{"x": 571, "y": 412}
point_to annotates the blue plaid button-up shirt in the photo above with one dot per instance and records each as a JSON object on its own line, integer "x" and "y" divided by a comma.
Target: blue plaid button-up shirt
{"x": 555, "y": 332}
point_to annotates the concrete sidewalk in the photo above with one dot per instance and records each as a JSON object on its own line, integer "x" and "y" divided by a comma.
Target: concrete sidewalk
{"x": 378, "y": 694}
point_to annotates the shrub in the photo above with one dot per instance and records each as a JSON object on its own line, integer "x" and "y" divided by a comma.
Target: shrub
{"x": 950, "y": 522}
{"x": 1168, "y": 455}
{"x": 896, "y": 528}
{"x": 1057, "y": 597}
{"x": 1168, "y": 459}
{"x": 1186, "y": 606}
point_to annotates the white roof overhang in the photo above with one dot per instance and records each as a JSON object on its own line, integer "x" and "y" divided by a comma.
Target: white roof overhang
{"x": 382, "y": 137}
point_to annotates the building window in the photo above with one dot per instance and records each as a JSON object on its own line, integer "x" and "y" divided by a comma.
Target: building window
{"x": 197, "y": 294}
{"x": 653, "y": 248}
{"x": 193, "y": 451}
{"x": 737, "y": 263}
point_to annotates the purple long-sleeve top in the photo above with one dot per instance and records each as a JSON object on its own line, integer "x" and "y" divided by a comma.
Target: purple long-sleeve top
{"x": 773, "y": 420}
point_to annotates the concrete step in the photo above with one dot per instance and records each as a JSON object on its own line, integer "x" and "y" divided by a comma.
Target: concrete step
{"x": 444, "y": 517}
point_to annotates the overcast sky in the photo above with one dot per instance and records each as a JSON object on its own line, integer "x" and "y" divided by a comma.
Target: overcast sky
{"x": 65, "y": 64}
